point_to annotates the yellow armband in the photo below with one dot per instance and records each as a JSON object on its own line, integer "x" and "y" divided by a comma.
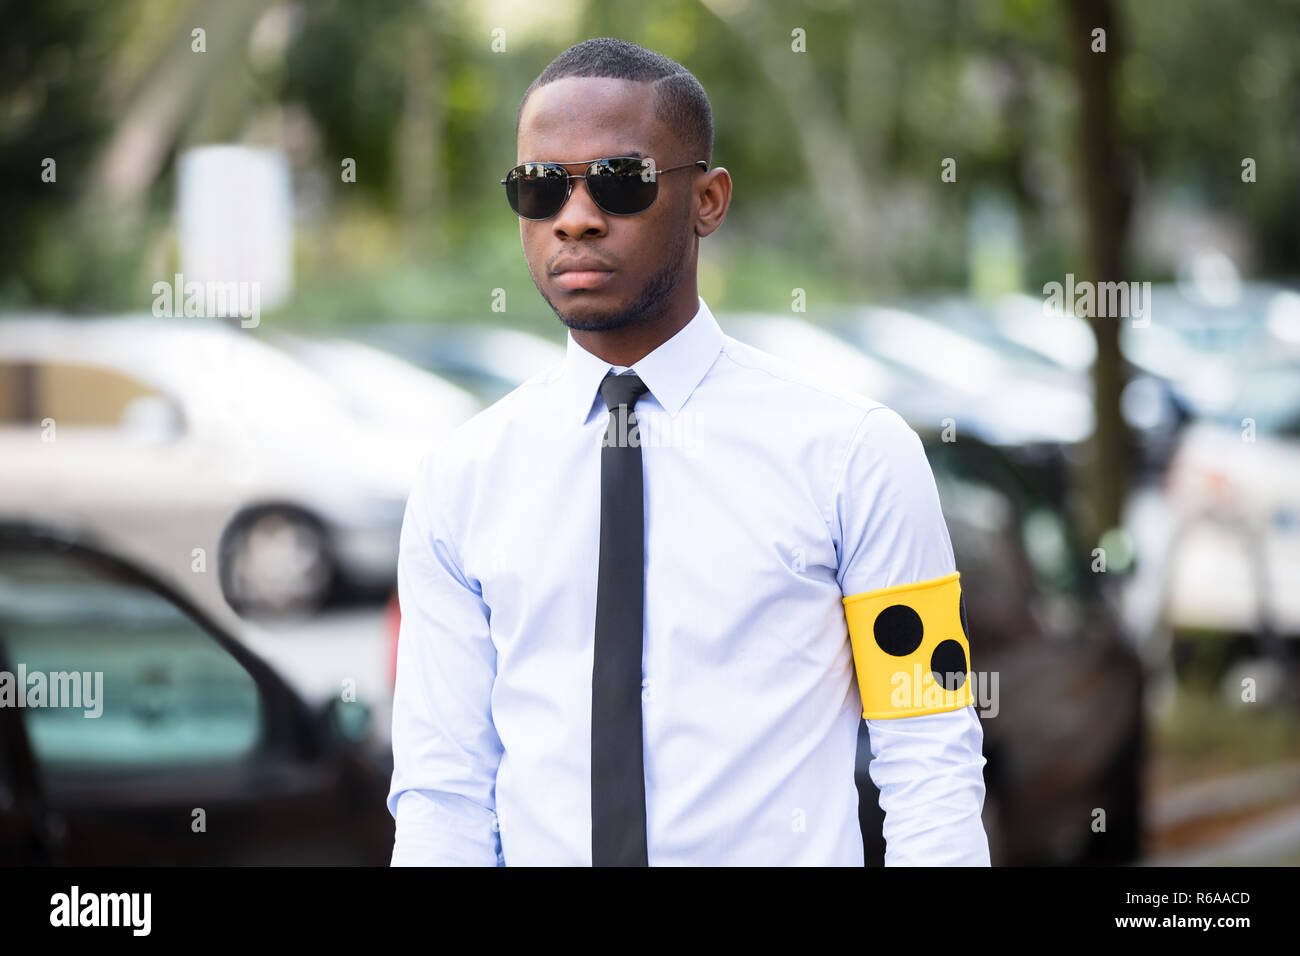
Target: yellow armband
{"x": 910, "y": 648}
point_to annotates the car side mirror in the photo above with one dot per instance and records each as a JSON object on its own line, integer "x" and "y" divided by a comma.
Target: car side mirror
{"x": 1119, "y": 552}
{"x": 347, "y": 721}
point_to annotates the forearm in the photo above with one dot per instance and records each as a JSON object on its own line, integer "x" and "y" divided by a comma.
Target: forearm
{"x": 930, "y": 772}
{"x": 441, "y": 829}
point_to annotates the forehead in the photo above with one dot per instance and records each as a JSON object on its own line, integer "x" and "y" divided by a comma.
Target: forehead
{"x": 581, "y": 118}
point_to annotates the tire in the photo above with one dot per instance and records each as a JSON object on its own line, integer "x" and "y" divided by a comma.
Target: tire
{"x": 1121, "y": 844}
{"x": 275, "y": 561}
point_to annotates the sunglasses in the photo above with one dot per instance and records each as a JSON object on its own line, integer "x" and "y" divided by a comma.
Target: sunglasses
{"x": 620, "y": 185}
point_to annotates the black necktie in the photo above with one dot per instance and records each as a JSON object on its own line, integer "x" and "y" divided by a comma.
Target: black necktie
{"x": 618, "y": 827}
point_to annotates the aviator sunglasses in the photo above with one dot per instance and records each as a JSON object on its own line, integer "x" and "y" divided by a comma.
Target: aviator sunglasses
{"x": 620, "y": 185}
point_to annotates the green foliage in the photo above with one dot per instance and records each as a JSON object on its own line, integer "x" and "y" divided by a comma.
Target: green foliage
{"x": 415, "y": 93}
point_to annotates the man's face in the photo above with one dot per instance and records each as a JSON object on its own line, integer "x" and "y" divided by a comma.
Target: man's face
{"x": 573, "y": 121}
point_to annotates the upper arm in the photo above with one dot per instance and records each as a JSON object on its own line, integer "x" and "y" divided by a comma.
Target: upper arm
{"x": 902, "y": 592}
{"x": 444, "y": 739}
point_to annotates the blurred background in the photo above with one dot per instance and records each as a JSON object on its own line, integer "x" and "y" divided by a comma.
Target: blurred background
{"x": 256, "y": 260}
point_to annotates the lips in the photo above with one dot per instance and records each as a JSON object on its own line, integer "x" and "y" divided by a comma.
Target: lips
{"x": 583, "y": 278}
{"x": 581, "y": 264}
{"x": 583, "y": 273}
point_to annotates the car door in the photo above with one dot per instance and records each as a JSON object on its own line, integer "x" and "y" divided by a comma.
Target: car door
{"x": 155, "y": 738}
{"x": 25, "y": 836}
{"x": 1070, "y": 687}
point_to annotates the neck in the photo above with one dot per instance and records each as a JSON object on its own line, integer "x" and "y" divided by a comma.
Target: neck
{"x": 629, "y": 344}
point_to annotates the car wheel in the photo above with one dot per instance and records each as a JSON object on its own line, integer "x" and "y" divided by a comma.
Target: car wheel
{"x": 276, "y": 561}
{"x": 1121, "y": 845}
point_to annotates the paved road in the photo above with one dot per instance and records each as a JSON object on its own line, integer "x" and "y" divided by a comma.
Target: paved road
{"x": 1246, "y": 819}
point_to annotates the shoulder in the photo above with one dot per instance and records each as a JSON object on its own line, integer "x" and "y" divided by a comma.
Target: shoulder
{"x": 776, "y": 390}
{"x": 886, "y": 453}
{"x": 889, "y": 519}
{"x": 885, "y": 434}
{"x": 793, "y": 380}
{"x": 861, "y": 425}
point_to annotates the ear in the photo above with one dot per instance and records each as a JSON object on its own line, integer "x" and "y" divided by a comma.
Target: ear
{"x": 713, "y": 195}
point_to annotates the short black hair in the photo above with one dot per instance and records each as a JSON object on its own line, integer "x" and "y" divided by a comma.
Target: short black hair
{"x": 680, "y": 101}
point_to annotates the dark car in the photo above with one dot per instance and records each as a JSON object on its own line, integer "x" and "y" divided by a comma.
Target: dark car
{"x": 158, "y": 738}
{"x": 1063, "y": 735}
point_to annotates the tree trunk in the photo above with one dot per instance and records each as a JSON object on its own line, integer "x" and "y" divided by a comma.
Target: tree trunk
{"x": 1105, "y": 192}
{"x": 419, "y": 147}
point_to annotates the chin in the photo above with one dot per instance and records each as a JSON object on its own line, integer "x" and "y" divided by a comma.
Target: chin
{"x": 597, "y": 323}
{"x": 593, "y": 320}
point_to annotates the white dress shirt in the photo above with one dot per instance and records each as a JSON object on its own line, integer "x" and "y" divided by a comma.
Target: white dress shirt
{"x": 768, "y": 498}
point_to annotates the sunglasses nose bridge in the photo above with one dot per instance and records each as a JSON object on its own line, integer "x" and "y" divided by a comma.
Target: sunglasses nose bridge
{"x": 569, "y": 190}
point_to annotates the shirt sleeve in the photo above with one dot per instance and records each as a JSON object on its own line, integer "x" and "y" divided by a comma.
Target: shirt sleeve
{"x": 445, "y": 746}
{"x": 929, "y": 767}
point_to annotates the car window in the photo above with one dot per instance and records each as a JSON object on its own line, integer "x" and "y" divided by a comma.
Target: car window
{"x": 1270, "y": 397}
{"x": 72, "y": 393}
{"x": 113, "y": 675}
{"x": 982, "y": 525}
{"x": 15, "y": 393}
{"x": 1042, "y": 534}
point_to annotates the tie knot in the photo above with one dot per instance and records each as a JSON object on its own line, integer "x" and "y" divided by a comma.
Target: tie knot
{"x": 622, "y": 389}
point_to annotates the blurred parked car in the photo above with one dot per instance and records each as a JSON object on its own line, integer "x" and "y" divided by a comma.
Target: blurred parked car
{"x": 200, "y": 753}
{"x": 1202, "y": 348}
{"x": 1234, "y": 490}
{"x": 997, "y": 391}
{"x": 381, "y": 389}
{"x": 211, "y": 446}
{"x": 489, "y": 361}
{"x": 838, "y": 362}
{"x": 1027, "y": 330}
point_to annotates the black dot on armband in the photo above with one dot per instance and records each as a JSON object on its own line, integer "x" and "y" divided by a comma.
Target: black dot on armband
{"x": 948, "y": 664}
{"x": 898, "y": 630}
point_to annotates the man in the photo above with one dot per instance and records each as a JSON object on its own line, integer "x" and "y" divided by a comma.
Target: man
{"x": 635, "y": 591}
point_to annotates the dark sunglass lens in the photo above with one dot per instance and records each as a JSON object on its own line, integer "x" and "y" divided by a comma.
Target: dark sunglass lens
{"x": 535, "y": 190}
{"x": 618, "y": 186}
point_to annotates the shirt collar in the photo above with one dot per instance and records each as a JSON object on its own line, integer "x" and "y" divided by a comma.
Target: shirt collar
{"x": 671, "y": 372}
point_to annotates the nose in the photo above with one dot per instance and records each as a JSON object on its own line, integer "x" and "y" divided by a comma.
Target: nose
{"x": 579, "y": 216}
